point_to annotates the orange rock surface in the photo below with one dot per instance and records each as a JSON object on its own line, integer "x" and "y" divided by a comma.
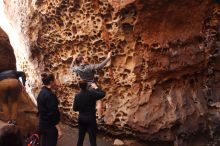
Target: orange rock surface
{"x": 7, "y": 59}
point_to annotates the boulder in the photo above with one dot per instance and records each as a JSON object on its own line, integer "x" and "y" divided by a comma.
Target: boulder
{"x": 118, "y": 142}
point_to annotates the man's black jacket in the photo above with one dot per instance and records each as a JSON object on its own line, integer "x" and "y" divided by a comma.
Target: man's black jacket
{"x": 85, "y": 101}
{"x": 48, "y": 108}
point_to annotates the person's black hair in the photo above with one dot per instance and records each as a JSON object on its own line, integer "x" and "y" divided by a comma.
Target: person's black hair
{"x": 83, "y": 85}
{"x": 47, "y": 78}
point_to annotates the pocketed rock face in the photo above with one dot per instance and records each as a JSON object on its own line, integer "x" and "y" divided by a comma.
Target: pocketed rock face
{"x": 163, "y": 80}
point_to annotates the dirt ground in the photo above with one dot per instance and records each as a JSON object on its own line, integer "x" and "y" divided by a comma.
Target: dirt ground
{"x": 70, "y": 136}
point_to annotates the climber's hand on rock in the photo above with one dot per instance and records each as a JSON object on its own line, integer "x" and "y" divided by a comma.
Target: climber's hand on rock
{"x": 75, "y": 56}
{"x": 109, "y": 54}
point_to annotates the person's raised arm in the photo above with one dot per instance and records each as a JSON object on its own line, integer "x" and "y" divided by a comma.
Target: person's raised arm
{"x": 102, "y": 64}
{"x": 98, "y": 93}
{"x": 73, "y": 62}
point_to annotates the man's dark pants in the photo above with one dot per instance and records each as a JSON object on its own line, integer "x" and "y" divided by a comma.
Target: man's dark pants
{"x": 49, "y": 136}
{"x": 87, "y": 123}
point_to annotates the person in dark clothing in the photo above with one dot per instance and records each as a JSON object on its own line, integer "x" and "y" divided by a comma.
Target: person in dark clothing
{"x": 49, "y": 115}
{"x": 217, "y": 1}
{"x": 85, "y": 103}
{"x": 10, "y": 92}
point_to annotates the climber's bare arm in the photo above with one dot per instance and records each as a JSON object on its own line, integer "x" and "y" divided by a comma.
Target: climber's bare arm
{"x": 102, "y": 64}
{"x": 73, "y": 62}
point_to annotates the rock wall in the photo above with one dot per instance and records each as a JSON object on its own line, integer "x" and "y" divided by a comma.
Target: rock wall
{"x": 8, "y": 60}
{"x": 8, "y": 132}
{"x": 27, "y": 112}
{"x": 162, "y": 83}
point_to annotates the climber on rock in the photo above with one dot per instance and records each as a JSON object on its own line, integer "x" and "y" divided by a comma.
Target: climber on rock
{"x": 87, "y": 71}
{"x": 10, "y": 91}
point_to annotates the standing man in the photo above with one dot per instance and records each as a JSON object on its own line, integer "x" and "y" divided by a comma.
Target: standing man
{"x": 85, "y": 103}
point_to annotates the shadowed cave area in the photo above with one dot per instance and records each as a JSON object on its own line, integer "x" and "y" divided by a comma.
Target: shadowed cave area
{"x": 162, "y": 84}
